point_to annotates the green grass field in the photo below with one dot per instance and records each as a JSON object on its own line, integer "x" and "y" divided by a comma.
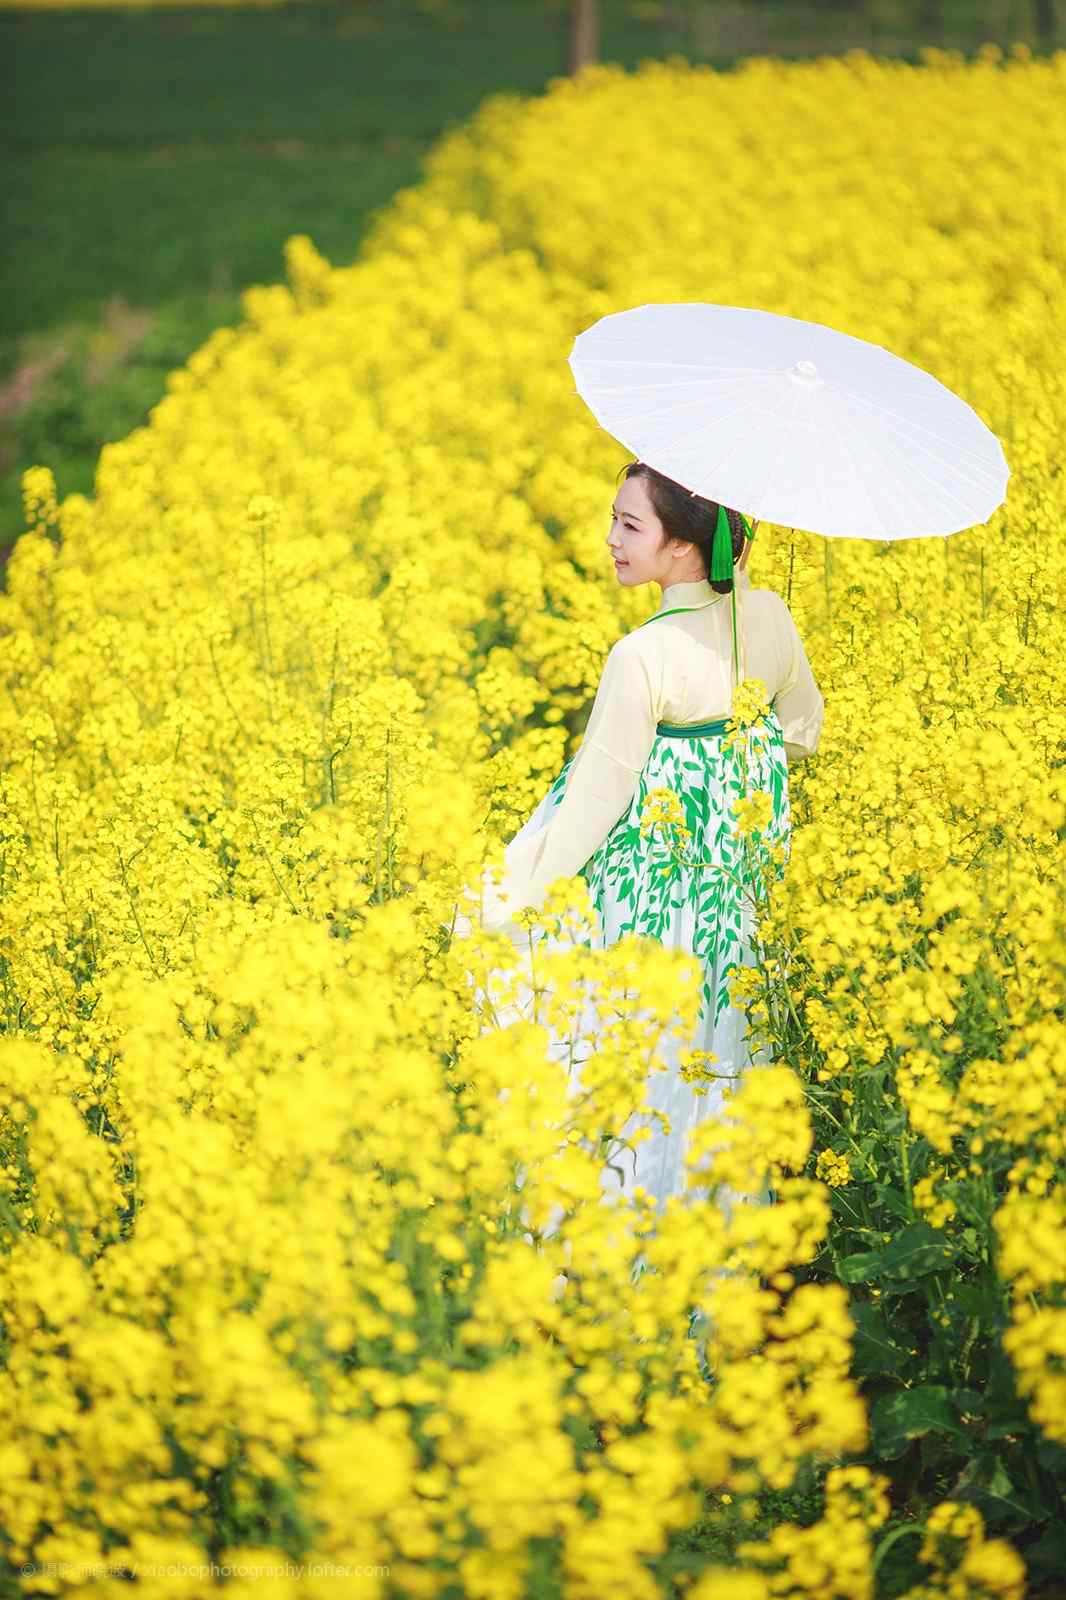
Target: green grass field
{"x": 154, "y": 162}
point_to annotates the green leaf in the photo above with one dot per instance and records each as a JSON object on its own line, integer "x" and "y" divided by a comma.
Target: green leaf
{"x": 875, "y": 1348}
{"x": 917, "y": 1250}
{"x": 859, "y": 1268}
{"x": 893, "y": 1200}
{"x": 1016, "y": 1429}
{"x": 1048, "y": 1557}
{"x": 984, "y": 1483}
{"x": 896, "y": 1419}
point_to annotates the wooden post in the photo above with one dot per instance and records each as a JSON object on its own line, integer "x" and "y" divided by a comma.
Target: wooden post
{"x": 1045, "y": 20}
{"x": 584, "y": 34}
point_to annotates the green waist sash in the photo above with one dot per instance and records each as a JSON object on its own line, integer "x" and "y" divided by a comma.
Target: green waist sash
{"x": 709, "y": 730}
{"x": 680, "y": 730}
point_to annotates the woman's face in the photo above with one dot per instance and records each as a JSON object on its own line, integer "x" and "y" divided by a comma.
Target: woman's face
{"x": 635, "y": 541}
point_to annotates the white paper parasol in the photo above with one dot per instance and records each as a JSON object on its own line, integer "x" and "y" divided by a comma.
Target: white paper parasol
{"x": 790, "y": 422}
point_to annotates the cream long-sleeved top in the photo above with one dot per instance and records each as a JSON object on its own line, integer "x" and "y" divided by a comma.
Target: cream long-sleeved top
{"x": 677, "y": 668}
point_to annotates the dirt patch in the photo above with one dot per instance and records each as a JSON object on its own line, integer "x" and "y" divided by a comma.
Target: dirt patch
{"x": 19, "y": 389}
{"x": 94, "y": 351}
{"x": 120, "y": 331}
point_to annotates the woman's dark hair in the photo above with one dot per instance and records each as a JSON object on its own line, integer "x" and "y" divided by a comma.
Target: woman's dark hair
{"x": 688, "y": 516}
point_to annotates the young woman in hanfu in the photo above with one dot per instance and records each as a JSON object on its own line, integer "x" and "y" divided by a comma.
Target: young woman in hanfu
{"x": 658, "y": 722}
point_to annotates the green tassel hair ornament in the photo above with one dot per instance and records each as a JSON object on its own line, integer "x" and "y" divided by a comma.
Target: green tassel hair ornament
{"x": 722, "y": 569}
{"x": 722, "y": 547}
{"x": 722, "y": 550}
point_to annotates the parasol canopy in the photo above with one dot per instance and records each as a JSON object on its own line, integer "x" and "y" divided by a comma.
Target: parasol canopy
{"x": 789, "y": 421}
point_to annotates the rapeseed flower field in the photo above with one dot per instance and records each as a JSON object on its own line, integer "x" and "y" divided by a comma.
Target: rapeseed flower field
{"x": 273, "y": 1296}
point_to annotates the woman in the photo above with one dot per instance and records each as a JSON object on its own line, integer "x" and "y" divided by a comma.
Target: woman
{"x": 658, "y": 723}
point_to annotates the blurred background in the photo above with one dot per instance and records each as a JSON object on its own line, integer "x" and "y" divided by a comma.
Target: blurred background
{"x": 156, "y": 157}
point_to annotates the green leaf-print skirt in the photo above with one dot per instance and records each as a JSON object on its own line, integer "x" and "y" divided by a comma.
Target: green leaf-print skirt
{"x": 690, "y": 888}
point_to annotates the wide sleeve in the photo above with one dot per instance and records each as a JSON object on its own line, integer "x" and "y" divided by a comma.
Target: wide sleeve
{"x": 798, "y": 703}
{"x": 600, "y": 784}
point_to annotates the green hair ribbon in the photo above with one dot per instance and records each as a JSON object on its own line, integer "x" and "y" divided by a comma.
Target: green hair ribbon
{"x": 722, "y": 546}
{"x": 722, "y": 568}
{"x": 722, "y": 550}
